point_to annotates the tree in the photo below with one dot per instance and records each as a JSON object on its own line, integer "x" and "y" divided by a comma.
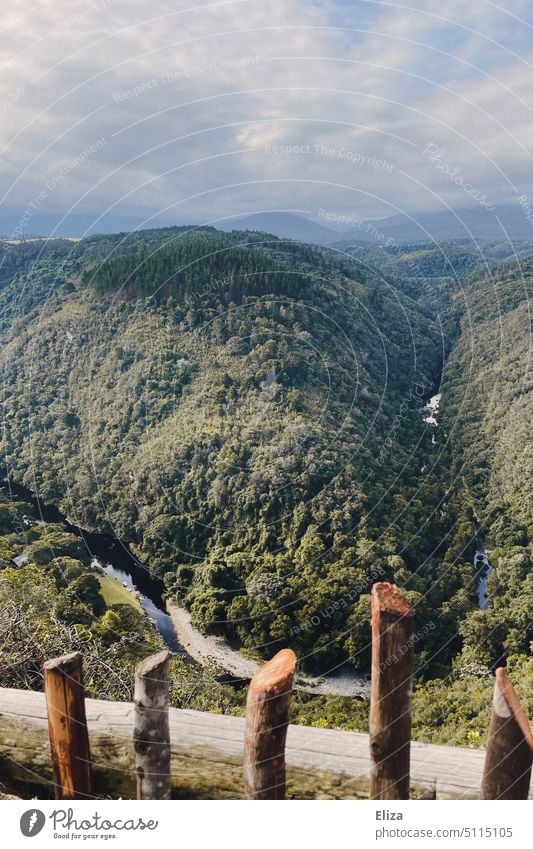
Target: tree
{"x": 86, "y": 588}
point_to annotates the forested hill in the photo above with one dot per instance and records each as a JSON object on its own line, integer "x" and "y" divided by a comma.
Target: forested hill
{"x": 439, "y": 275}
{"x": 488, "y": 387}
{"x": 247, "y": 411}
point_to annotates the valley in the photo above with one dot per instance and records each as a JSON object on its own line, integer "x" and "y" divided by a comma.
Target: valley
{"x": 257, "y": 418}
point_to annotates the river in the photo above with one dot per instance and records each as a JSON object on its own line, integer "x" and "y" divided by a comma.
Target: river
{"x": 115, "y": 558}
{"x": 118, "y": 561}
{"x": 430, "y": 411}
{"x": 481, "y": 557}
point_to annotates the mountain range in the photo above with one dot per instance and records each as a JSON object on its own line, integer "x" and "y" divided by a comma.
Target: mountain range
{"x": 510, "y": 223}
{"x": 502, "y": 223}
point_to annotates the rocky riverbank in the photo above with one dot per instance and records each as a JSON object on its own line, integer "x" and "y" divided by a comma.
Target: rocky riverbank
{"x": 216, "y": 652}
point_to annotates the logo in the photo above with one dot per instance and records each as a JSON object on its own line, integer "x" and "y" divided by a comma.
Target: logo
{"x": 32, "y": 822}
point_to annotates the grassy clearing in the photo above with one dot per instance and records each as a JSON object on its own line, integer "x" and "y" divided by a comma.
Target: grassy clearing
{"x": 114, "y": 593}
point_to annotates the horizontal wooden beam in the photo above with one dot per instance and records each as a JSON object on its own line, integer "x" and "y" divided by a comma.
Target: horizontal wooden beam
{"x": 207, "y": 755}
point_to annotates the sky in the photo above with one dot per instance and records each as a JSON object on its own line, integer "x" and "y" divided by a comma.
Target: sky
{"x": 202, "y": 112}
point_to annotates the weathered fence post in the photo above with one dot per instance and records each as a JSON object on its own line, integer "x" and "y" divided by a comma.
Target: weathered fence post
{"x": 151, "y": 733}
{"x": 391, "y": 691}
{"x": 67, "y": 727}
{"x": 267, "y": 719}
{"x": 507, "y": 771}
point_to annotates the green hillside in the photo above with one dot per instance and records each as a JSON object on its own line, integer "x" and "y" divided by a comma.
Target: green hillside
{"x": 488, "y": 385}
{"x": 247, "y": 412}
{"x": 487, "y": 410}
{"x": 223, "y": 401}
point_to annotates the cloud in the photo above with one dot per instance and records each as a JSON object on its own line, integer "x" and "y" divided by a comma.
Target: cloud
{"x": 202, "y": 111}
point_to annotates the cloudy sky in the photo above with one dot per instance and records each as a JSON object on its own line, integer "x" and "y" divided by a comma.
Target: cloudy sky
{"x": 182, "y": 111}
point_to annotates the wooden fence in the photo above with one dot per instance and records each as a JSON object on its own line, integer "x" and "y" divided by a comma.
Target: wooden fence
{"x": 394, "y": 772}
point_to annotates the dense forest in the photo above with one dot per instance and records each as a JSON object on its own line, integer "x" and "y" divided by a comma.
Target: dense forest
{"x": 54, "y": 600}
{"x": 248, "y": 412}
{"x": 480, "y": 294}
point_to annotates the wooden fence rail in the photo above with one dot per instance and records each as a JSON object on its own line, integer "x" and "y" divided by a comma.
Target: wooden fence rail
{"x": 227, "y": 757}
{"x": 207, "y": 753}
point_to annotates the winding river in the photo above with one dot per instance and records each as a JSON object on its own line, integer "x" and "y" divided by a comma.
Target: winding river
{"x": 115, "y": 558}
{"x": 118, "y": 561}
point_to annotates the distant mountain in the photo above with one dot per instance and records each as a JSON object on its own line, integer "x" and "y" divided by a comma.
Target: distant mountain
{"x": 286, "y": 225}
{"x": 501, "y": 223}
{"x": 17, "y": 224}
{"x": 474, "y": 223}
